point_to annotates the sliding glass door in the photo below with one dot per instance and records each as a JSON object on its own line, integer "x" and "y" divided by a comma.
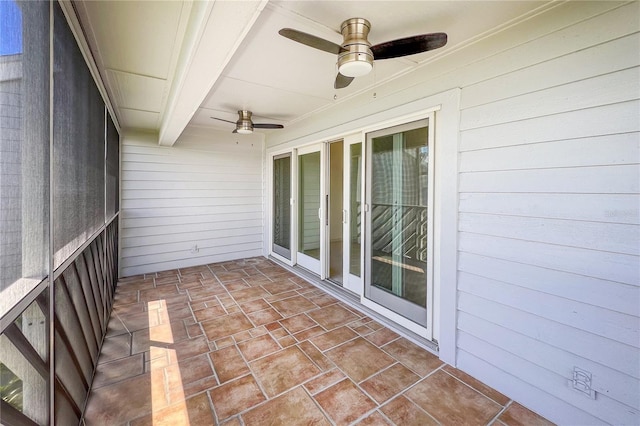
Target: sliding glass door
{"x": 281, "y": 215}
{"x": 311, "y": 209}
{"x": 337, "y": 214}
{"x": 399, "y": 190}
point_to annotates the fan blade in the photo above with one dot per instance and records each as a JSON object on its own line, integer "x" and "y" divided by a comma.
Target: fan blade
{"x": 408, "y": 46}
{"x": 267, "y": 126}
{"x": 342, "y": 81}
{"x": 221, "y": 119}
{"x": 311, "y": 40}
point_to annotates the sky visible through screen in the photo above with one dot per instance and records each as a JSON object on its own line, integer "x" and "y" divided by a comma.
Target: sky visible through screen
{"x": 10, "y": 28}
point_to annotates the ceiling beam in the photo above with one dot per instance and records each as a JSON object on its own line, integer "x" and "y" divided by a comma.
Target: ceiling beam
{"x": 214, "y": 33}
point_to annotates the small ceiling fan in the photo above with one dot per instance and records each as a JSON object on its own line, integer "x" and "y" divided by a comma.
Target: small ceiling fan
{"x": 356, "y": 54}
{"x": 245, "y": 126}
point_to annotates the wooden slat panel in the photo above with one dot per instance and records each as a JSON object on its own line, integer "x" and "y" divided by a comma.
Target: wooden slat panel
{"x": 68, "y": 323}
{"x": 13, "y": 417}
{"x": 96, "y": 287}
{"x": 76, "y": 293}
{"x": 30, "y": 354}
{"x": 92, "y": 302}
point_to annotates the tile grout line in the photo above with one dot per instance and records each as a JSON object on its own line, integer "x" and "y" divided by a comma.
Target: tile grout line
{"x": 497, "y": 416}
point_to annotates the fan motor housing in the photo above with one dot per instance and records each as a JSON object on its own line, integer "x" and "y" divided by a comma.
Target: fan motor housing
{"x": 357, "y": 58}
{"x": 244, "y": 124}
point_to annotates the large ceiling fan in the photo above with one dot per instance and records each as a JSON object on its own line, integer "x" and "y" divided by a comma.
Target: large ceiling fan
{"x": 356, "y": 54}
{"x": 244, "y": 125}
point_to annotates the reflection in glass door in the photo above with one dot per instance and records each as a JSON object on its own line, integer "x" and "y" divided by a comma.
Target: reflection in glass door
{"x": 282, "y": 205}
{"x": 397, "y": 251}
{"x": 310, "y": 209}
{"x": 336, "y": 212}
{"x": 355, "y": 209}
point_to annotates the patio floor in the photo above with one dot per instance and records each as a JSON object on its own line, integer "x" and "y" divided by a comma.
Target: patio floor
{"x": 248, "y": 342}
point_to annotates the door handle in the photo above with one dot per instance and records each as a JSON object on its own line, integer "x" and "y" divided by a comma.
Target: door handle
{"x": 326, "y": 205}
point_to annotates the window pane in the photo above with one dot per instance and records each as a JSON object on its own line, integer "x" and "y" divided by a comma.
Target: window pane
{"x": 282, "y": 206}
{"x": 309, "y": 205}
{"x": 24, "y": 148}
{"x": 355, "y": 208}
{"x": 78, "y": 146}
{"x": 399, "y": 214}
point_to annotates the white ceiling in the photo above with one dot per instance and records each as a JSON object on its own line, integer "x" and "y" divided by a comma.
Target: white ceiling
{"x": 167, "y": 64}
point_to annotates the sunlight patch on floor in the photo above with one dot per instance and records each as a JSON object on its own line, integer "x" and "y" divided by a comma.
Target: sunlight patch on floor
{"x": 161, "y": 336}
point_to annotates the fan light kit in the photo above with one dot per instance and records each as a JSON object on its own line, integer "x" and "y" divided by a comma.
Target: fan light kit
{"x": 358, "y": 59}
{"x": 356, "y": 54}
{"x": 245, "y": 126}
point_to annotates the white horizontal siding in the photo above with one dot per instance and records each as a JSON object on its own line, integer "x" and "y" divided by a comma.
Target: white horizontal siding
{"x": 549, "y": 203}
{"x": 11, "y": 180}
{"x": 611, "y": 208}
{"x": 538, "y": 377}
{"x": 600, "y": 236}
{"x": 549, "y": 220}
{"x": 195, "y": 203}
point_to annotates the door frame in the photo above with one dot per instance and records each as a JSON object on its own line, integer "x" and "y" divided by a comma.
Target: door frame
{"x": 352, "y": 282}
{"x": 317, "y": 266}
{"x": 272, "y": 246}
{"x": 384, "y": 301}
{"x": 268, "y": 245}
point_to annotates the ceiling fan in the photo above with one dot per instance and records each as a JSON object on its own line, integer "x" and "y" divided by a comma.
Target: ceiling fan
{"x": 245, "y": 126}
{"x": 356, "y": 54}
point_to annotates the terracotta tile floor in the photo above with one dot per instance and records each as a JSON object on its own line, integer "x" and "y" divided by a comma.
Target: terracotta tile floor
{"x": 249, "y": 343}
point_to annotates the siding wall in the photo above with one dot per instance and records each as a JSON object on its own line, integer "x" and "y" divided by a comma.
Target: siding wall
{"x": 11, "y": 169}
{"x": 549, "y": 196}
{"x": 548, "y": 269}
{"x": 205, "y": 191}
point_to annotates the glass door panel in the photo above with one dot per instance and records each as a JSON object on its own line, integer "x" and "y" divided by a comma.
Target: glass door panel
{"x": 355, "y": 208}
{"x": 309, "y": 210}
{"x": 282, "y": 205}
{"x": 336, "y": 212}
{"x": 398, "y": 193}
